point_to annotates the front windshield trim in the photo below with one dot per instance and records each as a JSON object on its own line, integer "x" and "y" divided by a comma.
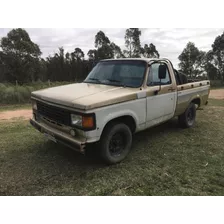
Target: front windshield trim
{"x": 120, "y": 84}
{"x": 110, "y": 84}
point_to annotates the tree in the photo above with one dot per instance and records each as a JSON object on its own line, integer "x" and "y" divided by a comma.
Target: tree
{"x": 103, "y": 45}
{"x": 19, "y": 42}
{"x": 105, "y": 49}
{"x": 117, "y": 53}
{"x": 132, "y": 42}
{"x": 19, "y": 55}
{"x": 218, "y": 54}
{"x": 101, "y": 39}
{"x": 209, "y": 66}
{"x": 3, "y": 68}
{"x": 105, "y": 52}
{"x": 65, "y": 66}
{"x": 56, "y": 66}
{"x": 78, "y": 54}
{"x": 77, "y": 63}
{"x": 190, "y": 60}
{"x": 149, "y": 51}
{"x": 93, "y": 55}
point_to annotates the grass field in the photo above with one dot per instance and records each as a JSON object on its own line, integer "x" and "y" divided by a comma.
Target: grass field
{"x": 20, "y": 94}
{"x": 165, "y": 160}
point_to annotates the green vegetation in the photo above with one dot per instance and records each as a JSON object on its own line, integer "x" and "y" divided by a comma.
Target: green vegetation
{"x": 215, "y": 102}
{"x": 20, "y": 94}
{"x": 21, "y": 61}
{"x": 20, "y": 58}
{"x": 217, "y": 87}
{"x": 196, "y": 63}
{"x": 165, "y": 160}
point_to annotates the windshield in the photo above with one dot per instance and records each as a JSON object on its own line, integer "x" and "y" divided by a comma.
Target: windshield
{"x": 128, "y": 73}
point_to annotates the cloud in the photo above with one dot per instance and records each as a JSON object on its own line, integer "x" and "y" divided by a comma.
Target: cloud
{"x": 169, "y": 42}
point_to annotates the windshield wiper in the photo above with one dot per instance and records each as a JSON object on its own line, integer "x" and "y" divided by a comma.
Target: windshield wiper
{"x": 113, "y": 80}
{"x": 94, "y": 79}
{"x": 116, "y": 81}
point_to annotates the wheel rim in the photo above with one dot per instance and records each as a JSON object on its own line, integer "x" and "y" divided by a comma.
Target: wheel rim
{"x": 190, "y": 116}
{"x": 117, "y": 144}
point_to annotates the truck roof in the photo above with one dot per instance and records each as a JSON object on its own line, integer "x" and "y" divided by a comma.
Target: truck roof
{"x": 136, "y": 59}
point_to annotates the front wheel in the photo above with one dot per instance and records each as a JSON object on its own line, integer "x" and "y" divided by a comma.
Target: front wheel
{"x": 187, "y": 119}
{"x": 115, "y": 143}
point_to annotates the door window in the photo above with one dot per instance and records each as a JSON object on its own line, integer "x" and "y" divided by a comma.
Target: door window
{"x": 153, "y": 77}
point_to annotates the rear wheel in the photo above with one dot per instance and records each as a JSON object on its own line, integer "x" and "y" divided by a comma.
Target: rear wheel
{"x": 115, "y": 143}
{"x": 187, "y": 119}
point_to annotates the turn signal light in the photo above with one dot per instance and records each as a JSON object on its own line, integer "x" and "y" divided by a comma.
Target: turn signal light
{"x": 87, "y": 122}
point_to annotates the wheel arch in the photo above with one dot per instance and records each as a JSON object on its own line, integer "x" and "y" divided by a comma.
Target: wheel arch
{"x": 196, "y": 100}
{"x": 127, "y": 119}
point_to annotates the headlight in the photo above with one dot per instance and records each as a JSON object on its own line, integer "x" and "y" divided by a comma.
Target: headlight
{"x": 85, "y": 121}
{"x": 34, "y": 105}
{"x": 76, "y": 120}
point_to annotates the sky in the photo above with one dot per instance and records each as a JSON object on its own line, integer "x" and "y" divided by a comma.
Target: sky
{"x": 169, "y": 42}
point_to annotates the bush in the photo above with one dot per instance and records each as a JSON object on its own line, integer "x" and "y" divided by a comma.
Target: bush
{"x": 16, "y": 94}
{"x": 216, "y": 83}
{"x": 2, "y": 89}
{"x": 8, "y": 96}
{"x": 22, "y": 94}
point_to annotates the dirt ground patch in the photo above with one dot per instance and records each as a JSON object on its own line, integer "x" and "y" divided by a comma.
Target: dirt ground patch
{"x": 27, "y": 113}
{"x": 9, "y": 115}
{"x": 217, "y": 94}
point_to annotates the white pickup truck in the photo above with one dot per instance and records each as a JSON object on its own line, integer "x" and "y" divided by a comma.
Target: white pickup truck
{"x": 118, "y": 98}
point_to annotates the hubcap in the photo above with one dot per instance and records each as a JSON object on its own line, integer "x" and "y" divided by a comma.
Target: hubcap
{"x": 117, "y": 144}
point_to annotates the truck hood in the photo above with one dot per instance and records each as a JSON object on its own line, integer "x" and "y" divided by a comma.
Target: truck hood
{"x": 86, "y": 96}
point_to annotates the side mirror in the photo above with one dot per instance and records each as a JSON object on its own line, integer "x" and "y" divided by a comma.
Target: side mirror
{"x": 162, "y": 71}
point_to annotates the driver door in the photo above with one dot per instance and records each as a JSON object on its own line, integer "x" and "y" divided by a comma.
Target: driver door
{"x": 160, "y": 102}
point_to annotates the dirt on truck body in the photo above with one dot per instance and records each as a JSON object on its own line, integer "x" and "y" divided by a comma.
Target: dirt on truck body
{"x": 118, "y": 98}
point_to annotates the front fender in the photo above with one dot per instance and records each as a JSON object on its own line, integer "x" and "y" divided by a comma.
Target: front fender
{"x": 136, "y": 109}
{"x": 118, "y": 114}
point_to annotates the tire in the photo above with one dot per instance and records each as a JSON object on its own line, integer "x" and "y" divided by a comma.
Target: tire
{"x": 187, "y": 119}
{"x": 115, "y": 143}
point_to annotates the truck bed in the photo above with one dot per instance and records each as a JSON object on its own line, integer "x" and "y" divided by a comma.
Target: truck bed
{"x": 197, "y": 92}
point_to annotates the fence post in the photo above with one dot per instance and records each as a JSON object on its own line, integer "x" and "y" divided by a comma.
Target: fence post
{"x": 49, "y": 83}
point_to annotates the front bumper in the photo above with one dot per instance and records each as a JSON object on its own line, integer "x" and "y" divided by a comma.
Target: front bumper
{"x": 59, "y": 136}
